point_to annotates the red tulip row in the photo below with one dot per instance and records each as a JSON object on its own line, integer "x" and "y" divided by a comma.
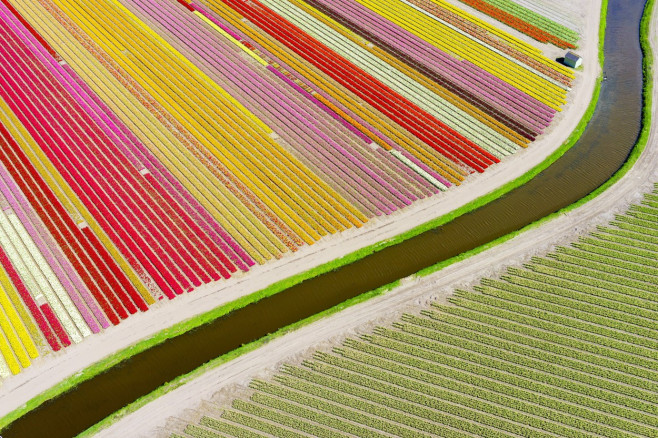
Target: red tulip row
{"x": 55, "y": 324}
{"x": 518, "y": 24}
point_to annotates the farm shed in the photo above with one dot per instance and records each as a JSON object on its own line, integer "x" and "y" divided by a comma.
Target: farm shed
{"x": 573, "y": 60}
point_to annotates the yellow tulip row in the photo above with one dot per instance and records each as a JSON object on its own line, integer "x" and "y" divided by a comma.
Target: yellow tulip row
{"x": 423, "y": 152}
{"x": 307, "y": 204}
{"x": 463, "y": 47}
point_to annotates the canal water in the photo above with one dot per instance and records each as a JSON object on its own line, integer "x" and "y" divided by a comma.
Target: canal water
{"x": 603, "y": 148}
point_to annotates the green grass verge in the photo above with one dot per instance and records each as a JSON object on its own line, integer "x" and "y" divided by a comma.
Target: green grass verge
{"x": 275, "y": 288}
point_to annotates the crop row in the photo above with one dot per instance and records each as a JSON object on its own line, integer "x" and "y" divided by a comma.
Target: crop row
{"x": 354, "y": 168}
{"x": 527, "y": 22}
{"x": 380, "y": 130}
{"x": 552, "y": 11}
{"x": 537, "y": 19}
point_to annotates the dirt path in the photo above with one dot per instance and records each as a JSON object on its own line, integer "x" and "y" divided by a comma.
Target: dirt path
{"x": 54, "y": 368}
{"x": 331, "y": 331}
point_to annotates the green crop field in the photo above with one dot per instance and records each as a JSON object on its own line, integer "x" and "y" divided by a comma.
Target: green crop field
{"x": 566, "y": 346}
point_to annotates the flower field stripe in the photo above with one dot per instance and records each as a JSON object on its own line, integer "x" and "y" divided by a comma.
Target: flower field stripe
{"x": 328, "y": 96}
{"x": 48, "y": 247}
{"x": 303, "y": 176}
{"x": 420, "y": 171}
{"x": 21, "y": 258}
{"x": 439, "y": 136}
{"x": 60, "y": 224}
{"x": 495, "y": 38}
{"x": 550, "y": 12}
{"x": 181, "y": 195}
{"x": 391, "y": 78}
{"x": 167, "y": 198}
{"x": 44, "y": 274}
{"x": 286, "y": 156}
{"x": 451, "y": 41}
{"x": 27, "y": 26}
{"x": 414, "y": 69}
{"x": 143, "y": 193}
{"x": 536, "y": 19}
{"x": 296, "y": 111}
{"x": 69, "y": 157}
{"x": 455, "y": 177}
{"x": 54, "y": 156}
{"x": 302, "y": 22}
{"x": 231, "y": 38}
{"x": 475, "y": 51}
{"x": 8, "y": 355}
{"x": 402, "y": 41}
{"x": 504, "y": 36}
{"x": 518, "y": 23}
{"x": 349, "y": 124}
{"x": 22, "y": 313}
{"x": 493, "y": 47}
{"x": 111, "y": 265}
{"x": 60, "y": 218}
{"x": 439, "y": 9}
{"x": 10, "y": 325}
{"x": 17, "y": 323}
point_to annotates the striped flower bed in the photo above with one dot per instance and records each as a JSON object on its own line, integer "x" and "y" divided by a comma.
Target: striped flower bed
{"x": 149, "y": 147}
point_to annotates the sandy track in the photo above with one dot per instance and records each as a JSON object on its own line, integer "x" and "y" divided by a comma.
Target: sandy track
{"x": 358, "y": 319}
{"x": 53, "y": 368}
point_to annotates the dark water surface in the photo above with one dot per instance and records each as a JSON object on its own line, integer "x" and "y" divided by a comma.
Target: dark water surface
{"x": 602, "y": 149}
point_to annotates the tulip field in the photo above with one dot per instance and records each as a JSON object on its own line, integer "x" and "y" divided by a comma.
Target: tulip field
{"x": 149, "y": 147}
{"x": 566, "y": 345}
